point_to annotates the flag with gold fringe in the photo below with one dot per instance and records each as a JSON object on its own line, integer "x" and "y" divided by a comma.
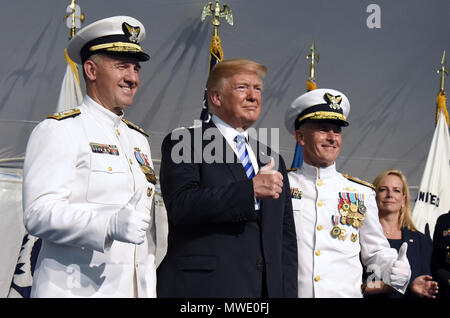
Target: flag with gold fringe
{"x": 433, "y": 197}
{"x": 70, "y": 94}
{"x": 215, "y": 56}
{"x": 215, "y": 48}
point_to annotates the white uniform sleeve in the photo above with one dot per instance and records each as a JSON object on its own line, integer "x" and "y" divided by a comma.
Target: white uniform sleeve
{"x": 376, "y": 253}
{"x": 49, "y": 169}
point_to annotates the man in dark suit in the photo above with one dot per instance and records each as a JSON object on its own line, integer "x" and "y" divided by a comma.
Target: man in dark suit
{"x": 440, "y": 258}
{"x": 231, "y": 226}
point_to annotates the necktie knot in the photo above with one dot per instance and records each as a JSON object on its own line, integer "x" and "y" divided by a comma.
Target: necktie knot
{"x": 240, "y": 139}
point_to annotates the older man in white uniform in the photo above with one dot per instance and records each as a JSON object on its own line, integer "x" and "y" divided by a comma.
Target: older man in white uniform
{"x": 89, "y": 180}
{"x": 336, "y": 216}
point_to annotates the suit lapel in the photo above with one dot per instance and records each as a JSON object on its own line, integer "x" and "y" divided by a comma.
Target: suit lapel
{"x": 235, "y": 167}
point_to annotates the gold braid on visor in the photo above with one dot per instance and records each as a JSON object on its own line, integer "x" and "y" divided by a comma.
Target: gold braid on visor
{"x": 117, "y": 47}
{"x": 323, "y": 115}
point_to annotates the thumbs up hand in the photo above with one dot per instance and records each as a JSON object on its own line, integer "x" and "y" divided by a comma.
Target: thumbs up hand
{"x": 401, "y": 271}
{"x": 268, "y": 183}
{"x": 129, "y": 225}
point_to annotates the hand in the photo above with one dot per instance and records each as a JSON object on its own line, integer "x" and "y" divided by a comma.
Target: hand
{"x": 268, "y": 183}
{"x": 129, "y": 225}
{"x": 425, "y": 286}
{"x": 401, "y": 271}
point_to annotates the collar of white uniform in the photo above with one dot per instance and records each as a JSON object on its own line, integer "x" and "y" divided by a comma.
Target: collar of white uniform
{"x": 102, "y": 114}
{"x": 226, "y": 130}
{"x": 316, "y": 173}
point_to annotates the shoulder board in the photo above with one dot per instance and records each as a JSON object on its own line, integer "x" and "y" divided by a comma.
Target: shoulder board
{"x": 367, "y": 184}
{"x": 291, "y": 169}
{"x": 135, "y": 127}
{"x": 66, "y": 114}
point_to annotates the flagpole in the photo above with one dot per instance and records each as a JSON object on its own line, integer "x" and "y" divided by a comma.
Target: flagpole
{"x": 70, "y": 94}
{"x": 314, "y": 57}
{"x": 297, "y": 161}
{"x": 215, "y": 48}
{"x": 441, "y": 100}
{"x": 74, "y": 17}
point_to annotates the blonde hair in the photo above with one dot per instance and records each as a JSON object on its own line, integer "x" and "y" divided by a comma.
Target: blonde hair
{"x": 404, "y": 217}
{"x": 228, "y": 68}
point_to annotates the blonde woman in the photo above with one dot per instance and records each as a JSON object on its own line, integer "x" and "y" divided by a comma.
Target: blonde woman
{"x": 393, "y": 201}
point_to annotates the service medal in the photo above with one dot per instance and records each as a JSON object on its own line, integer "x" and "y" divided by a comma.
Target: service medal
{"x": 343, "y": 235}
{"x": 145, "y": 166}
{"x": 354, "y": 237}
{"x": 353, "y": 208}
{"x": 336, "y": 230}
{"x": 362, "y": 209}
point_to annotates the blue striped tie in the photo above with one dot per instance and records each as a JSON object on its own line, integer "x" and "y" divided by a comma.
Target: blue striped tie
{"x": 243, "y": 156}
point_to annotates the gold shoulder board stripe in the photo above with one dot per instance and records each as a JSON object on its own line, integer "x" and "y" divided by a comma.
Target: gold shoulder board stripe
{"x": 367, "y": 184}
{"x": 66, "y": 114}
{"x": 135, "y": 127}
{"x": 292, "y": 169}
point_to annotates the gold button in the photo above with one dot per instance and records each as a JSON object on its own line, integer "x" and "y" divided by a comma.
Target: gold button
{"x": 319, "y": 183}
{"x": 319, "y": 227}
{"x": 317, "y": 252}
{"x": 317, "y": 278}
{"x": 137, "y": 264}
{"x": 149, "y": 191}
{"x": 109, "y": 168}
{"x": 118, "y": 132}
{"x": 131, "y": 162}
{"x": 320, "y": 203}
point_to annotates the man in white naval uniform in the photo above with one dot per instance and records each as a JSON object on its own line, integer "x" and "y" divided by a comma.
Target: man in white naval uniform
{"x": 88, "y": 177}
{"x": 336, "y": 216}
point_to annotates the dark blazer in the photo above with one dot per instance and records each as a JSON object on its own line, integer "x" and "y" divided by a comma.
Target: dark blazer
{"x": 218, "y": 245}
{"x": 418, "y": 254}
{"x": 440, "y": 259}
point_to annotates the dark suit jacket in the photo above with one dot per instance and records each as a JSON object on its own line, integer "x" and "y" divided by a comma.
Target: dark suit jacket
{"x": 440, "y": 260}
{"x": 218, "y": 245}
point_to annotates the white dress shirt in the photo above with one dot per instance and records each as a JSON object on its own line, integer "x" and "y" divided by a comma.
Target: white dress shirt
{"x": 229, "y": 133}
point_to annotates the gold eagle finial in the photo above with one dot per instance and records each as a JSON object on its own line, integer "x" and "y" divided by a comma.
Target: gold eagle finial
{"x": 216, "y": 12}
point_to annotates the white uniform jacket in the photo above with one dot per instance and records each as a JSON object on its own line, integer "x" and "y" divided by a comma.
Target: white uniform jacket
{"x": 78, "y": 171}
{"x": 329, "y": 263}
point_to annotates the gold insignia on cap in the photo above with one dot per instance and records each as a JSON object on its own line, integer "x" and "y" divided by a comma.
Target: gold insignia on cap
{"x": 334, "y": 101}
{"x": 133, "y": 32}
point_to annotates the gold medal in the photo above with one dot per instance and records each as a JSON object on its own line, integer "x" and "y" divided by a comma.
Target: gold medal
{"x": 356, "y": 223}
{"x": 336, "y": 231}
{"x": 353, "y": 208}
{"x": 346, "y": 207}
